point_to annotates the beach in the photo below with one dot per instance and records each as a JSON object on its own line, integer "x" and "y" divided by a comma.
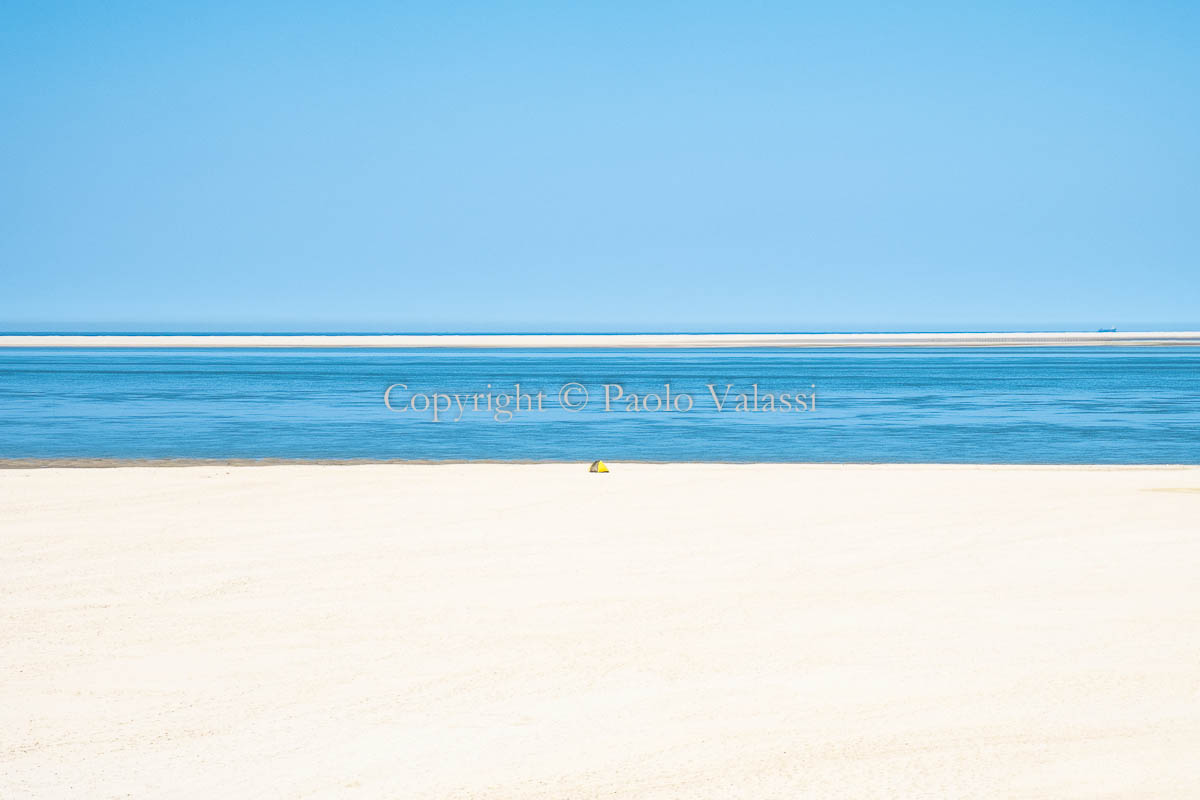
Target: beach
{"x": 661, "y": 631}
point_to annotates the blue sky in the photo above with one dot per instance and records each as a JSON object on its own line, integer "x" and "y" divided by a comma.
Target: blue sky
{"x": 621, "y": 167}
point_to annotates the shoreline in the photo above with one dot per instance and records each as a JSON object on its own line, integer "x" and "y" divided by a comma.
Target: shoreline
{"x": 180, "y": 463}
{"x": 605, "y": 341}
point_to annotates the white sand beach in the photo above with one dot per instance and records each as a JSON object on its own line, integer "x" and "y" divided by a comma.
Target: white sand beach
{"x": 536, "y": 631}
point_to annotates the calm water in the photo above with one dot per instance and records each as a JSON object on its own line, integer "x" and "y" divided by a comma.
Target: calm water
{"x": 1082, "y": 405}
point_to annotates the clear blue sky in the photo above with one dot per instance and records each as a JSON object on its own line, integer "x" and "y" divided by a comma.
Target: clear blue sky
{"x": 606, "y": 166}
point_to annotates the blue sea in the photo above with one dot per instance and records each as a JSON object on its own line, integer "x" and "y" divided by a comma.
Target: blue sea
{"x": 1088, "y": 405}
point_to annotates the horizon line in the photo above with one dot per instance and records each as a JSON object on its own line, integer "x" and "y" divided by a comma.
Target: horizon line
{"x": 602, "y": 341}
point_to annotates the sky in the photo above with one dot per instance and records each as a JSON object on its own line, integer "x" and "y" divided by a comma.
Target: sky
{"x": 751, "y": 166}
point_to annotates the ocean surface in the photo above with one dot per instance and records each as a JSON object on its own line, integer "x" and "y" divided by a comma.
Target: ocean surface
{"x": 1086, "y": 405}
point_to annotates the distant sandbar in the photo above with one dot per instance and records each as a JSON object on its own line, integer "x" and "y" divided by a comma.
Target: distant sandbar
{"x": 589, "y": 341}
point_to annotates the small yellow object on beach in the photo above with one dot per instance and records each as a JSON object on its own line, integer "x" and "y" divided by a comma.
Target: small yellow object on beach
{"x": 598, "y": 466}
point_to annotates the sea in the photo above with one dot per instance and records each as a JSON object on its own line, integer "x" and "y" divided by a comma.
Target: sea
{"x": 1052, "y": 405}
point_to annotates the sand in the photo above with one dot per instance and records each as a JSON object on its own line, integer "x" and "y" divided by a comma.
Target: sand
{"x": 536, "y": 631}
